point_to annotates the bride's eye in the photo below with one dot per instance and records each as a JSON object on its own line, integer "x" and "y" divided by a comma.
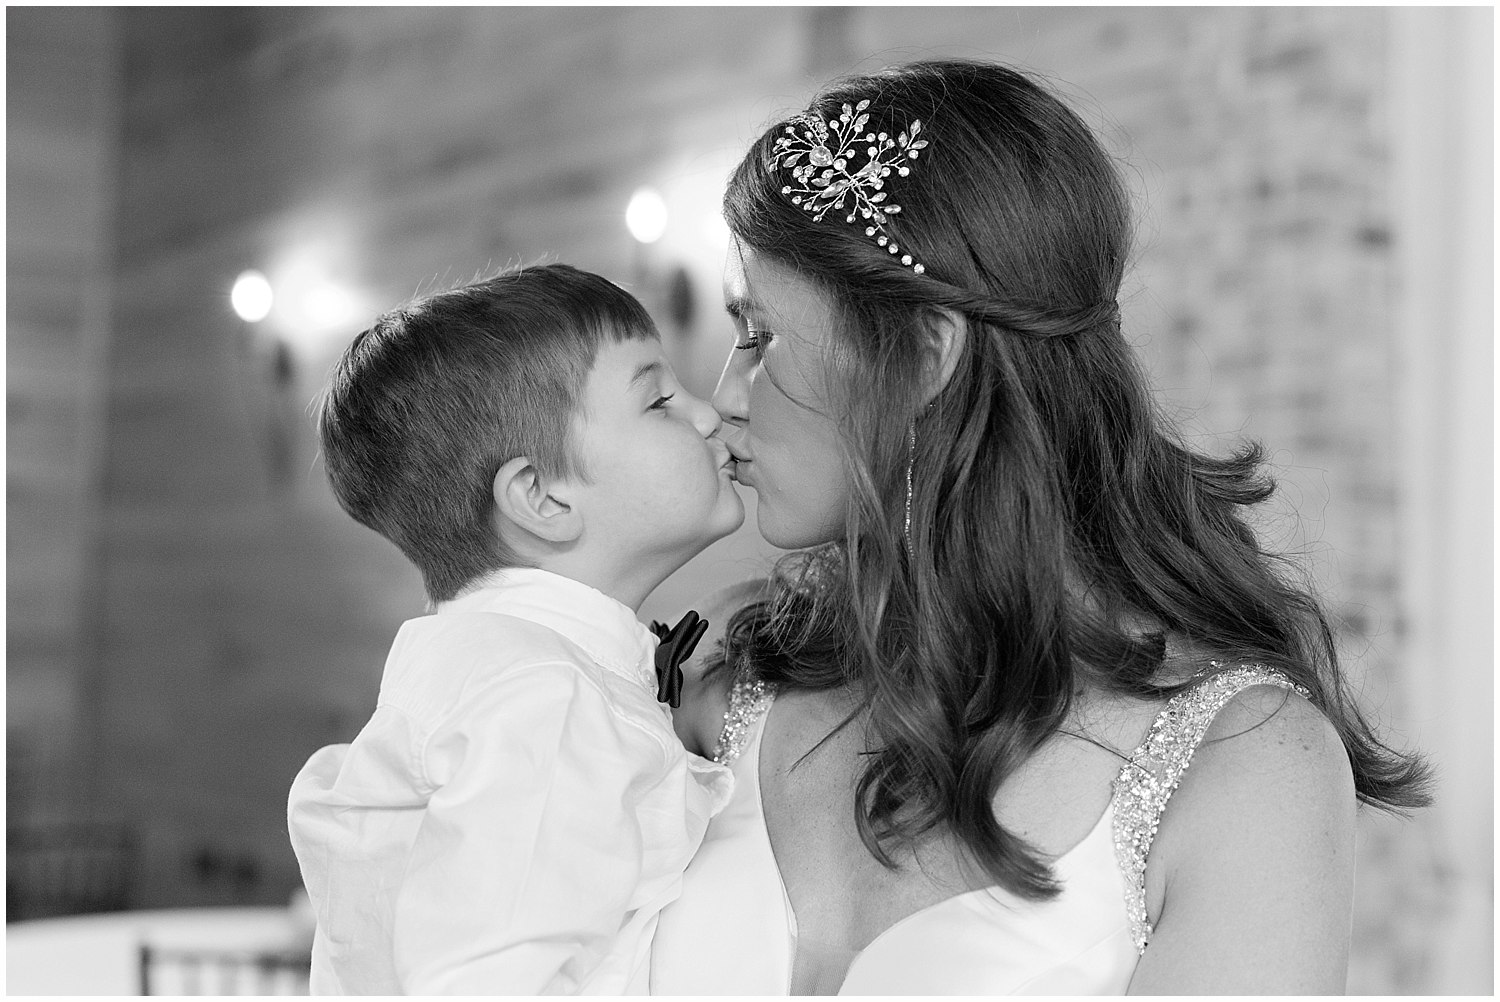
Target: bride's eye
{"x": 755, "y": 340}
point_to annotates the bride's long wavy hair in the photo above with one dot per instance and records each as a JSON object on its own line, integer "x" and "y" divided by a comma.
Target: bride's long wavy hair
{"x": 1052, "y": 511}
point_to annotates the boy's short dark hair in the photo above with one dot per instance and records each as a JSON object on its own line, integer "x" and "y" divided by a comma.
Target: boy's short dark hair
{"x": 425, "y": 406}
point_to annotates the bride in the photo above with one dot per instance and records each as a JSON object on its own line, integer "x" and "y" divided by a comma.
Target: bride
{"x": 1028, "y": 710}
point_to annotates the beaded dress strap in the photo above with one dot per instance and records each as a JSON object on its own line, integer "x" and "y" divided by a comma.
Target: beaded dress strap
{"x": 1146, "y": 782}
{"x": 749, "y": 699}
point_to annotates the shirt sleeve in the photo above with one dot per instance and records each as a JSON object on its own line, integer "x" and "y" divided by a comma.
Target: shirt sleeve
{"x": 525, "y": 863}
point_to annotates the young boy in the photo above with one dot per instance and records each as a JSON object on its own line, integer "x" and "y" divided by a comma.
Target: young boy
{"x": 517, "y": 812}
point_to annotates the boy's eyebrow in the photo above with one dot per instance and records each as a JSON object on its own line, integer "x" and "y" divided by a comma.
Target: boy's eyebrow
{"x": 645, "y": 371}
{"x": 738, "y": 306}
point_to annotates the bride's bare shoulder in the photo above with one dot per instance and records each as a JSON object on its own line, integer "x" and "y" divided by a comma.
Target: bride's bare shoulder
{"x": 705, "y": 693}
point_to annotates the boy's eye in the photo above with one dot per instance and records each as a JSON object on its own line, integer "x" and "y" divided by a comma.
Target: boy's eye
{"x": 660, "y": 403}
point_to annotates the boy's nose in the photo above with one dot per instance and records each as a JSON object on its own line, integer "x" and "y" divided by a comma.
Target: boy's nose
{"x": 702, "y": 415}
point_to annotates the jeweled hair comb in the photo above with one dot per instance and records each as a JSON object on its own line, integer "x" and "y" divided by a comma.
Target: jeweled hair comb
{"x": 846, "y": 167}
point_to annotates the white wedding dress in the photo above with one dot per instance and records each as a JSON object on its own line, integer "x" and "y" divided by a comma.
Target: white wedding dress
{"x": 733, "y": 932}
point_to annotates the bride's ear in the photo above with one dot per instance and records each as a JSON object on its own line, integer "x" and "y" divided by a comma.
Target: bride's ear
{"x": 535, "y": 504}
{"x": 947, "y": 336}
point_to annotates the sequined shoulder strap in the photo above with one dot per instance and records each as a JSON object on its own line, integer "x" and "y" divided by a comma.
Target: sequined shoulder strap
{"x": 749, "y": 699}
{"x": 1146, "y": 782}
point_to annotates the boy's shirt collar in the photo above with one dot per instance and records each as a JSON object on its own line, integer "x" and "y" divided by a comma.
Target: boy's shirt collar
{"x": 605, "y": 628}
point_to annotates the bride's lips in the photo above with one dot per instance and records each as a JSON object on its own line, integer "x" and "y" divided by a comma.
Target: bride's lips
{"x": 725, "y": 456}
{"x": 737, "y": 464}
{"x": 737, "y": 469}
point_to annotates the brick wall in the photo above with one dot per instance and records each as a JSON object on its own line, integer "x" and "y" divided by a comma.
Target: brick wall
{"x": 242, "y": 616}
{"x": 63, "y": 92}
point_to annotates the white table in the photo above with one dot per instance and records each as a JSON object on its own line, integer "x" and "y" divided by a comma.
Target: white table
{"x": 100, "y": 954}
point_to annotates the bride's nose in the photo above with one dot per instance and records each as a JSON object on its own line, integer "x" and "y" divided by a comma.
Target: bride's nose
{"x": 732, "y": 396}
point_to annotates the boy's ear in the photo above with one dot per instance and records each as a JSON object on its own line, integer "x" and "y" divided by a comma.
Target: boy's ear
{"x": 948, "y": 333}
{"x": 524, "y": 498}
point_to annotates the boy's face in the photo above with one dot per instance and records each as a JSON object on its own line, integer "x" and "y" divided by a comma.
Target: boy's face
{"x": 657, "y": 488}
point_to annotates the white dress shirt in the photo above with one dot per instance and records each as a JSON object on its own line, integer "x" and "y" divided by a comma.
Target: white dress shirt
{"x": 516, "y": 813}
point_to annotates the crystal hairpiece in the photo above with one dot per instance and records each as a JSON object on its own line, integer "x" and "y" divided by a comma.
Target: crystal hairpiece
{"x": 847, "y": 170}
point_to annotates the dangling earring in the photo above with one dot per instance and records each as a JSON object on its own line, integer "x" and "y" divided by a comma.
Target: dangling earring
{"x": 911, "y": 458}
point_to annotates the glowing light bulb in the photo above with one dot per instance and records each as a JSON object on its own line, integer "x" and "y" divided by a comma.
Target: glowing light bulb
{"x": 251, "y": 296}
{"x": 646, "y": 216}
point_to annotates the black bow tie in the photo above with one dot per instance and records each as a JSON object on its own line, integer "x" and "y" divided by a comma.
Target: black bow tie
{"x": 673, "y": 648}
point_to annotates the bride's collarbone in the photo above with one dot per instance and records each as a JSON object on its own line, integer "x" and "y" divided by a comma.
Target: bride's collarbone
{"x": 810, "y": 768}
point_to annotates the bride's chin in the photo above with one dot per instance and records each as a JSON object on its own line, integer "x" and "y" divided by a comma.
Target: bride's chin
{"x": 799, "y": 528}
{"x": 776, "y": 532}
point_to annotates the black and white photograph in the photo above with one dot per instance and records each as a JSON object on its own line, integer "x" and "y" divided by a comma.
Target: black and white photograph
{"x": 750, "y": 500}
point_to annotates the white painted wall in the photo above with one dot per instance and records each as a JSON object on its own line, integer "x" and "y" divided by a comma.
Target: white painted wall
{"x": 1442, "y": 86}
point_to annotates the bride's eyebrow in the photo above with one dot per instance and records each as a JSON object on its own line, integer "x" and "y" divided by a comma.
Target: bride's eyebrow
{"x": 739, "y": 306}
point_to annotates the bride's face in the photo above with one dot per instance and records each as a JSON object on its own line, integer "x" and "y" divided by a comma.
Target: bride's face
{"x": 773, "y": 396}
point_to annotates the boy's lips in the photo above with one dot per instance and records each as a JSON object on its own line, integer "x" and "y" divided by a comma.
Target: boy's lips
{"x": 727, "y": 463}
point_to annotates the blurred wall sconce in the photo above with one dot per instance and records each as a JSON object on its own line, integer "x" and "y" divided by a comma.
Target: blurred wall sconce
{"x": 273, "y": 372}
{"x": 252, "y": 299}
{"x": 298, "y": 307}
{"x": 666, "y": 287}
